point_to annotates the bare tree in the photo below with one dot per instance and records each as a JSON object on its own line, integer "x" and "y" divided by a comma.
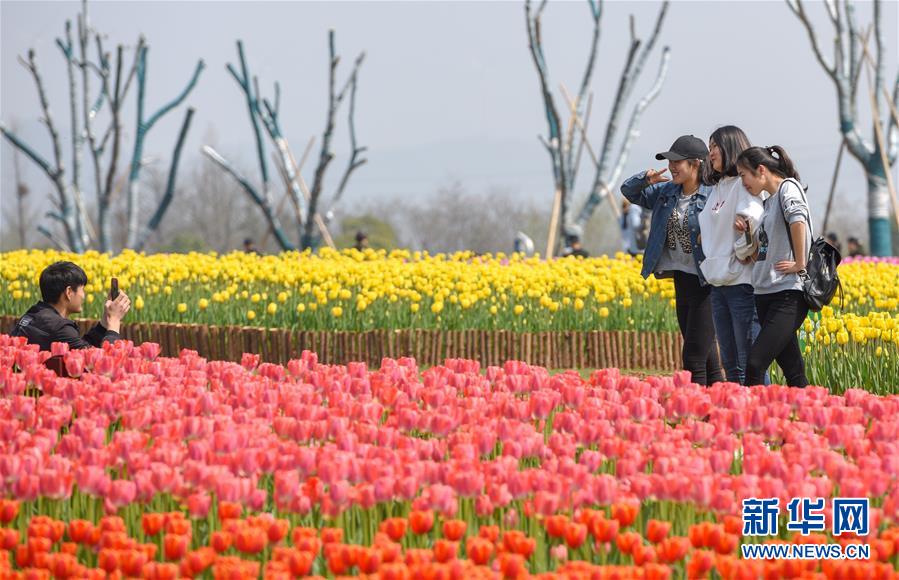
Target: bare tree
{"x": 565, "y": 149}
{"x": 266, "y": 113}
{"x": 876, "y": 155}
{"x": 70, "y": 208}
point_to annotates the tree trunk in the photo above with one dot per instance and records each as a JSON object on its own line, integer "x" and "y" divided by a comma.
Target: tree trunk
{"x": 879, "y": 210}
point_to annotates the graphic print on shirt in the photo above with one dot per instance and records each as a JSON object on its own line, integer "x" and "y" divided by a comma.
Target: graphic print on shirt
{"x": 763, "y": 243}
{"x": 678, "y": 233}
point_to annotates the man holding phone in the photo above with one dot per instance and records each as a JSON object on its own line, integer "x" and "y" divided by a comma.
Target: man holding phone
{"x": 62, "y": 289}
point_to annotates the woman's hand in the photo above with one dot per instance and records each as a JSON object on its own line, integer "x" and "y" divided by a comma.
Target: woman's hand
{"x": 654, "y": 176}
{"x": 741, "y": 224}
{"x": 789, "y": 267}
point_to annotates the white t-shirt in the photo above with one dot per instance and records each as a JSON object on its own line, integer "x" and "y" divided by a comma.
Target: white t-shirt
{"x": 726, "y": 201}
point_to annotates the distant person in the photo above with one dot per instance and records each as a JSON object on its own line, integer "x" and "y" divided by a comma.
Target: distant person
{"x": 834, "y": 241}
{"x": 631, "y": 222}
{"x": 573, "y": 248}
{"x": 62, "y": 292}
{"x": 249, "y": 246}
{"x": 674, "y": 251}
{"x": 361, "y": 241}
{"x": 854, "y": 247}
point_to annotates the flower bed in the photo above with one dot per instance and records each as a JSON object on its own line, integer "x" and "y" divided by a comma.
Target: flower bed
{"x": 180, "y": 465}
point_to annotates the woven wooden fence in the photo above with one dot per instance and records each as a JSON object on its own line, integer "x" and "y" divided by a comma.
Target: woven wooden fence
{"x": 555, "y": 349}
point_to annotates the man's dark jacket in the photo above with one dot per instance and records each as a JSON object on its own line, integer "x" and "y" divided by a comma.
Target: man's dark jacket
{"x": 43, "y": 325}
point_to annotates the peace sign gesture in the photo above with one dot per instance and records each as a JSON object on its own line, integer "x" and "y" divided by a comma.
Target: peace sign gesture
{"x": 654, "y": 176}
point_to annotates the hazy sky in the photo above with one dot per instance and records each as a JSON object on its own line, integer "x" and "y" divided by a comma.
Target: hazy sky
{"x": 448, "y": 90}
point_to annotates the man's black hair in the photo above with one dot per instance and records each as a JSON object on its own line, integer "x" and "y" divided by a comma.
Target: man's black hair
{"x": 57, "y": 277}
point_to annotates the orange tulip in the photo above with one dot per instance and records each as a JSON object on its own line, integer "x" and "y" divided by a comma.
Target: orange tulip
{"x": 220, "y": 541}
{"x": 250, "y": 540}
{"x": 656, "y": 530}
{"x": 727, "y": 544}
{"x": 453, "y": 530}
{"x": 132, "y": 562}
{"x": 418, "y": 557}
{"x": 175, "y": 547}
{"x": 300, "y": 563}
{"x": 229, "y": 510}
{"x": 444, "y": 550}
{"x": 395, "y": 528}
{"x": 9, "y": 509}
{"x": 644, "y": 554}
{"x": 199, "y": 560}
{"x": 277, "y": 530}
{"x": 628, "y": 541}
{"x": 479, "y": 550}
{"x": 332, "y": 535}
{"x": 336, "y": 563}
{"x": 112, "y": 524}
{"x": 108, "y": 560}
{"x": 395, "y": 571}
{"x": 160, "y": 571}
{"x": 390, "y": 552}
{"x": 700, "y": 563}
{"x": 656, "y": 572}
{"x": 625, "y": 513}
{"x": 673, "y": 549}
{"x": 152, "y": 523}
{"x": 80, "y": 531}
{"x": 68, "y": 548}
{"x": 489, "y": 532}
{"x": 575, "y": 535}
{"x": 178, "y": 526}
{"x": 369, "y": 560}
{"x": 512, "y": 565}
{"x": 9, "y": 538}
{"x": 604, "y": 530}
{"x": 555, "y": 525}
{"x": 421, "y": 521}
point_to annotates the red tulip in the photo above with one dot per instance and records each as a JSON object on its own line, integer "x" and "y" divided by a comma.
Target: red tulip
{"x": 575, "y": 535}
{"x": 152, "y": 523}
{"x": 421, "y": 522}
{"x": 175, "y": 546}
{"x": 656, "y": 530}
{"x": 395, "y": 528}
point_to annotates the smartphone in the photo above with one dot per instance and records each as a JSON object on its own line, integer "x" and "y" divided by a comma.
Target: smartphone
{"x": 114, "y": 289}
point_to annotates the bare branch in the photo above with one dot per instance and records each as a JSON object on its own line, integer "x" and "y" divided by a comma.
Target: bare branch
{"x": 61, "y": 245}
{"x": 163, "y": 206}
{"x": 628, "y": 81}
{"x": 243, "y": 80}
{"x": 355, "y": 161}
{"x": 633, "y": 129}
{"x": 143, "y": 127}
{"x": 552, "y": 116}
{"x": 263, "y": 202}
{"x": 799, "y": 10}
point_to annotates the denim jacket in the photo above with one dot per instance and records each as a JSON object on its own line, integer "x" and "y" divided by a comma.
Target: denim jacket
{"x": 662, "y": 198}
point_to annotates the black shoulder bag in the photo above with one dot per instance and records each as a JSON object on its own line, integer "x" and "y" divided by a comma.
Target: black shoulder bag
{"x": 819, "y": 280}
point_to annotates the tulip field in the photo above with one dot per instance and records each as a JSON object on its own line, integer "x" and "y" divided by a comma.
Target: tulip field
{"x": 853, "y": 344}
{"x": 141, "y": 465}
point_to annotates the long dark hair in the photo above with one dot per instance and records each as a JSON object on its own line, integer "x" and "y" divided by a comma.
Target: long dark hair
{"x": 731, "y": 141}
{"x": 774, "y": 158}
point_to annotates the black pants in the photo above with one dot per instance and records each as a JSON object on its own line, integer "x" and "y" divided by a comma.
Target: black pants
{"x": 780, "y": 314}
{"x": 694, "y": 316}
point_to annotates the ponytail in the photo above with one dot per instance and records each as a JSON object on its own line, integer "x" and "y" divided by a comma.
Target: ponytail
{"x": 774, "y": 158}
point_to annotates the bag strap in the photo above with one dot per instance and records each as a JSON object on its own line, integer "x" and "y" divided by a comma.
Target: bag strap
{"x": 808, "y": 216}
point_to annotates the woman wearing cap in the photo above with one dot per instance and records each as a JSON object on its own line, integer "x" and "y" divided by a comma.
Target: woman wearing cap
{"x": 673, "y": 249}
{"x": 733, "y": 304}
{"x": 779, "y": 262}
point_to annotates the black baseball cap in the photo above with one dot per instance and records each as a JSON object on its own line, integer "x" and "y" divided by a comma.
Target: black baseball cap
{"x": 686, "y": 147}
